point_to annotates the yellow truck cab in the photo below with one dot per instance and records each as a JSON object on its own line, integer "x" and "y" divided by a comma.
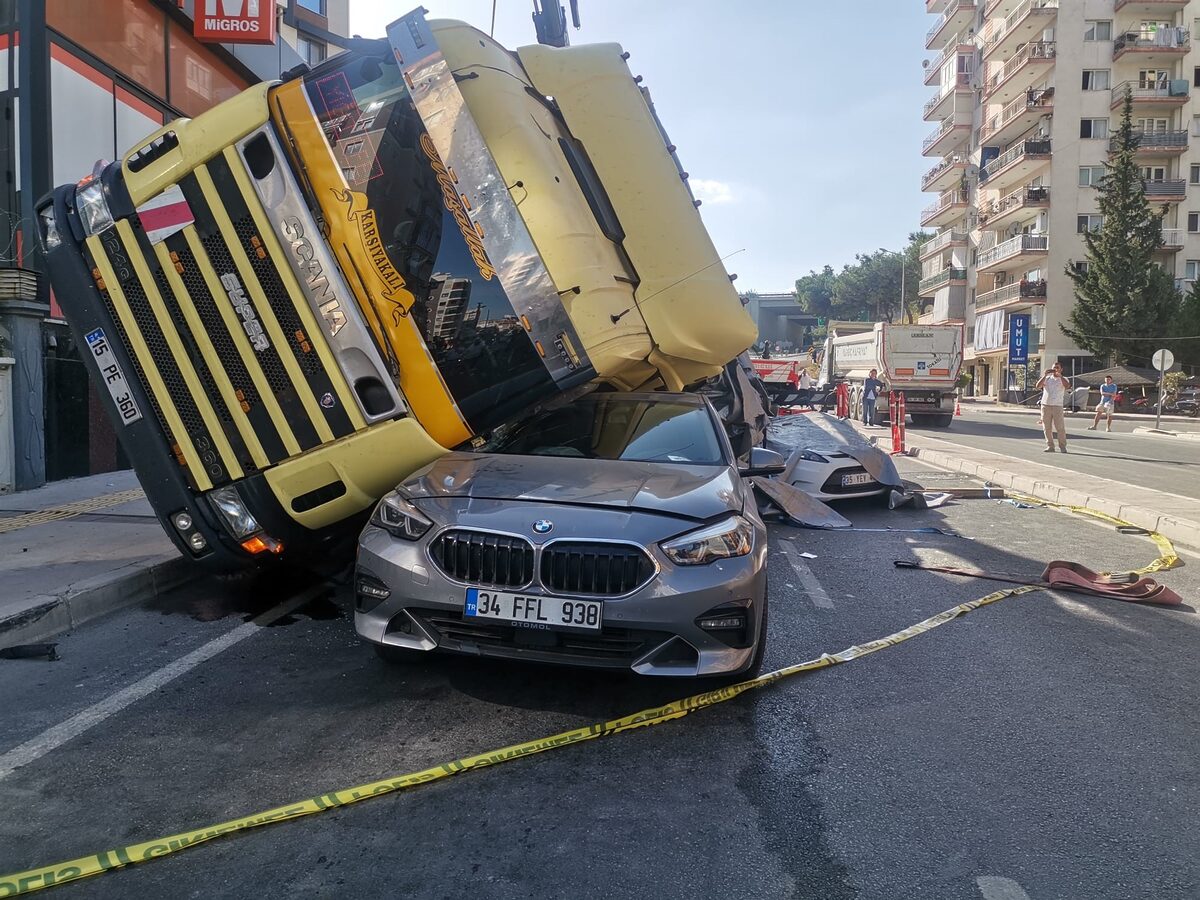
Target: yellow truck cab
{"x": 301, "y": 296}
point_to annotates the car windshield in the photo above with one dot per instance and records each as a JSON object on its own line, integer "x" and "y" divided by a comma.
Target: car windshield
{"x": 614, "y": 427}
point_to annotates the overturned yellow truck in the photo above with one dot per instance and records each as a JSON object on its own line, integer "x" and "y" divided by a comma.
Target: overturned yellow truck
{"x": 299, "y": 297}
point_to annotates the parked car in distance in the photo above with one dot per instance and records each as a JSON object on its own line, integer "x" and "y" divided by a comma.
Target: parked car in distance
{"x": 614, "y": 531}
{"x": 829, "y": 474}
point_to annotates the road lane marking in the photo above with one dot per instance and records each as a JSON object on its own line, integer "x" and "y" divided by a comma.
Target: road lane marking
{"x": 812, "y": 586}
{"x": 993, "y": 887}
{"x": 55, "y": 737}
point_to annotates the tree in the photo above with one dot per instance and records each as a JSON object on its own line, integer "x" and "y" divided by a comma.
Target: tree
{"x": 868, "y": 290}
{"x": 815, "y": 292}
{"x": 1187, "y": 325}
{"x": 1122, "y": 295}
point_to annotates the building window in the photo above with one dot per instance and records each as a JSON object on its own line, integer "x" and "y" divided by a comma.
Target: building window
{"x": 1191, "y": 269}
{"x": 1080, "y": 266}
{"x": 1196, "y": 126}
{"x": 1096, "y": 80}
{"x": 1194, "y": 175}
{"x": 317, "y": 6}
{"x": 1196, "y": 77}
{"x": 1093, "y": 128}
{"x": 1193, "y": 222}
{"x": 1097, "y": 30}
{"x": 1088, "y": 223}
{"x": 1093, "y": 176}
{"x": 353, "y": 148}
{"x": 312, "y": 52}
{"x": 1153, "y": 78}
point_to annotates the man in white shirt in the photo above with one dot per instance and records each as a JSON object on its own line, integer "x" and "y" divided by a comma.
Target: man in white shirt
{"x": 1054, "y": 388}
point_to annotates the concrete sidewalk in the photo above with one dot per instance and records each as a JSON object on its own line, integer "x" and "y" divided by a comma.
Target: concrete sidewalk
{"x": 1012, "y": 409}
{"x": 74, "y": 550}
{"x": 1174, "y": 516}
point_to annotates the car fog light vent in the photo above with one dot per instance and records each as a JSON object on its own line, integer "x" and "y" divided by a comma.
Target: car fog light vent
{"x": 369, "y": 592}
{"x": 197, "y": 541}
{"x": 722, "y": 623}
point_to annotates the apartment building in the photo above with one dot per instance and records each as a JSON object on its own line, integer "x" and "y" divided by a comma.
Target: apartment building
{"x": 1026, "y": 94}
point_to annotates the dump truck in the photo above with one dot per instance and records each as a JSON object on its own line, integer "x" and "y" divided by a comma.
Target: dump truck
{"x": 920, "y": 361}
{"x": 294, "y": 300}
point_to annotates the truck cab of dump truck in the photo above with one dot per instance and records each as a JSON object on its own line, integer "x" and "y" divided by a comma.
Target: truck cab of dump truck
{"x": 298, "y": 298}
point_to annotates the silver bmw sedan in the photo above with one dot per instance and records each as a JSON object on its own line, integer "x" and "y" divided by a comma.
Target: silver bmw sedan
{"x": 615, "y": 531}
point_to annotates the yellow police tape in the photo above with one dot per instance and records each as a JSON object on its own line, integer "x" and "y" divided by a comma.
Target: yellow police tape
{"x": 72, "y": 870}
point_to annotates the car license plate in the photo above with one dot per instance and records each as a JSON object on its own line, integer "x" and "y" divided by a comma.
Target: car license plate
{"x": 114, "y": 377}
{"x": 530, "y": 610}
{"x": 857, "y": 478}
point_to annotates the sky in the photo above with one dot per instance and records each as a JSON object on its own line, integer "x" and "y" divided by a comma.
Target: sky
{"x": 801, "y": 130}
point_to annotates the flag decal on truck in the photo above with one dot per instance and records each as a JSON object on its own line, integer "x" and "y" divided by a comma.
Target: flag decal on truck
{"x": 165, "y": 215}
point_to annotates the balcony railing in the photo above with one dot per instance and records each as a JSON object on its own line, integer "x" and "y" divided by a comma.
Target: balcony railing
{"x": 1022, "y": 243}
{"x": 941, "y": 167}
{"x": 1171, "y": 237}
{"x": 1168, "y": 188}
{"x": 946, "y": 199}
{"x": 1173, "y": 89}
{"x": 952, "y": 9}
{"x": 1024, "y": 196}
{"x": 1002, "y": 27}
{"x": 1016, "y": 290}
{"x": 1172, "y": 38}
{"x": 963, "y": 81}
{"x": 948, "y": 126}
{"x": 933, "y": 282}
{"x": 1025, "y": 148}
{"x": 950, "y": 51}
{"x": 1042, "y": 99}
{"x": 1032, "y": 50}
{"x": 945, "y": 239}
{"x": 1155, "y": 140}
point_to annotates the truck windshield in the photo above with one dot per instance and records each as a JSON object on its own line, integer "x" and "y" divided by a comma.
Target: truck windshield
{"x": 395, "y": 180}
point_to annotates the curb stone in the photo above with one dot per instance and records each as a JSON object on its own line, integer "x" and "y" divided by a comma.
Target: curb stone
{"x": 49, "y": 615}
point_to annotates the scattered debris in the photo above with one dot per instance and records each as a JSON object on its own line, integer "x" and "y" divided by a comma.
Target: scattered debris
{"x": 31, "y": 651}
{"x": 918, "y": 499}
{"x": 797, "y": 506}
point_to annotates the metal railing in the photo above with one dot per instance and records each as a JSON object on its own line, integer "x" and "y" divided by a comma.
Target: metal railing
{"x": 1042, "y": 99}
{"x": 1018, "y": 198}
{"x": 946, "y": 128}
{"x": 1001, "y": 27}
{"x": 945, "y": 239}
{"x": 1155, "y": 140}
{"x": 1165, "y": 187}
{"x": 963, "y": 81}
{"x": 1172, "y": 89}
{"x": 1032, "y": 50}
{"x": 1016, "y": 290}
{"x": 954, "y": 6}
{"x": 937, "y": 170}
{"x": 943, "y": 277}
{"x": 945, "y": 200}
{"x": 951, "y": 49}
{"x": 1172, "y": 38}
{"x": 1025, "y": 148}
{"x": 1022, "y": 243}
{"x": 1172, "y": 237}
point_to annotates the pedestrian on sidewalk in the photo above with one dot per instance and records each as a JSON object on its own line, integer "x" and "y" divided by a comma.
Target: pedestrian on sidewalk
{"x": 1054, "y": 388}
{"x": 1108, "y": 400}
{"x": 871, "y": 390}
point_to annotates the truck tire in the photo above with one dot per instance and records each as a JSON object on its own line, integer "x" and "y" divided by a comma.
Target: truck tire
{"x": 920, "y": 420}
{"x": 943, "y": 421}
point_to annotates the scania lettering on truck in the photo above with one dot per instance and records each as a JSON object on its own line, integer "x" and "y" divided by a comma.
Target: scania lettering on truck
{"x": 920, "y": 361}
{"x": 298, "y": 298}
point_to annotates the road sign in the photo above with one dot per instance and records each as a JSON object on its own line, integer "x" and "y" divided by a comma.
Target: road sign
{"x": 1163, "y": 360}
{"x": 1018, "y": 339}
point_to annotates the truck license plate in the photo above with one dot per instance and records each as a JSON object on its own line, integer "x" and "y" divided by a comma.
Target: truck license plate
{"x": 114, "y": 377}
{"x": 856, "y": 478}
{"x": 532, "y": 611}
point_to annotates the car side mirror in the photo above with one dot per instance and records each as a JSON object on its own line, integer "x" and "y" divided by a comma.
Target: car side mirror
{"x": 763, "y": 462}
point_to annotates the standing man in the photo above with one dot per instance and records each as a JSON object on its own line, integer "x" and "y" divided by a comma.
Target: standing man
{"x": 1054, "y": 388}
{"x": 871, "y": 390}
{"x": 1108, "y": 400}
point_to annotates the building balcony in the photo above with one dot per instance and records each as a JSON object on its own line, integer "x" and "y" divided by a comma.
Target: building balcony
{"x": 1017, "y": 117}
{"x": 1145, "y": 96}
{"x": 964, "y": 42}
{"x": 947, "y": 99}
{"x": 1013, "y": 208}
{"x": 1021, "y": 251}
{"x": 1025, "y": 68}
{"x": 956, "y": 15}
{"x": 1165, "y": 190}
{"x": 1157, "y": 143}
{"x": 1150, "y": 7}
{"x": 1018, "y": 293}
{"x": 1017, "y": 165}
{"x": 998, "y": 9}
{"x": 945, "y": 174}
{"x": 941, "y": 279}
{"x": 942, "y": 241}
{"x": 1152, "y": 48}
{"x": 1172, "y": 239}
{"x": 1004, "y": 36}
{"x": 950, "y": 207}
{"x": 949, "y": 137}
{"x": 935, "y": 7}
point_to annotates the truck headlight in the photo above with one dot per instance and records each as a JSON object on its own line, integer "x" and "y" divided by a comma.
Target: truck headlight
{"x": 50, "y": 236}
{"x": 725, "y": 540}
{"x": 93, "y": 207}
{"x": 228, "y": 504}
{"x": 399, "y": 518}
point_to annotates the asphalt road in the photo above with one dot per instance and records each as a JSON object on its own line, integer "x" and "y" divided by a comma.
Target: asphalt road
{"x": 1169, "y": 464}
{"x": 1042, "y": 747}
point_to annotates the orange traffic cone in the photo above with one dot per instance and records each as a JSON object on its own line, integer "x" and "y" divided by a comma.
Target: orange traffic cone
{"x": 957, "y": 407}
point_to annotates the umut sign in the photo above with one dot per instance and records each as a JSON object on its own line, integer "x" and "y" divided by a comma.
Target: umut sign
{"x": 235, "y": 21}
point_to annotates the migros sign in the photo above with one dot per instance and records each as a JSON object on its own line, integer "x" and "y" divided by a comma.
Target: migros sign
{"x": 235, "y": 21}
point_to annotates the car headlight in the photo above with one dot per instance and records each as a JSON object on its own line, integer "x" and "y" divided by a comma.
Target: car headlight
{"x": 228, "y": 503}
{"x": 811, "y": 456}
{"x": 399, "y": 518}
{"x": 50, "y": 236}
{"x": 732, "y": 537}
{"x": 93, "y": 208}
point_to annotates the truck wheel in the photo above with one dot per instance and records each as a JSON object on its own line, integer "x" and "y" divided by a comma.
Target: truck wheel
{"x": 920, "y": 420}
{"x": 943, "y": 421}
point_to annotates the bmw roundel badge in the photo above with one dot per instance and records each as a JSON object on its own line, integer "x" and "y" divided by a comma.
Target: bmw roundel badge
{"x": 543, "y": 526}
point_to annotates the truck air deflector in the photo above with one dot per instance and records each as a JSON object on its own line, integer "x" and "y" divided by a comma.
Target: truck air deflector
{"x": 490, "y": 220}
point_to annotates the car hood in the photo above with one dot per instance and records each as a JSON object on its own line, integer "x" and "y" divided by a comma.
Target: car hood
{"x": 694, "y": 492}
